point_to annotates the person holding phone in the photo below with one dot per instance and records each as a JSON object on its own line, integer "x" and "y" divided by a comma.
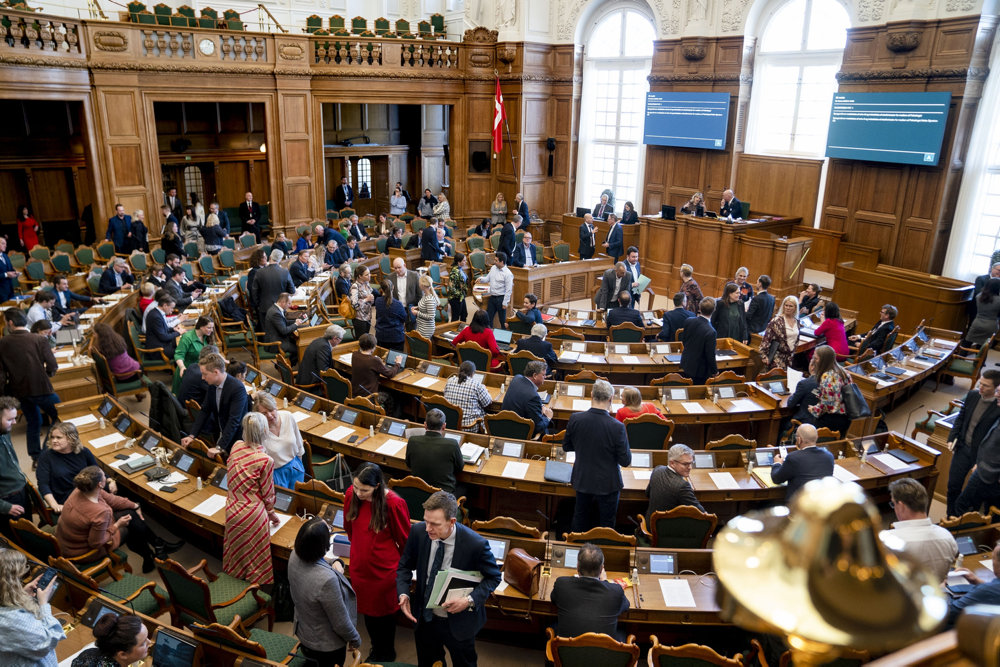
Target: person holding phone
{"x": 28, "y": 630}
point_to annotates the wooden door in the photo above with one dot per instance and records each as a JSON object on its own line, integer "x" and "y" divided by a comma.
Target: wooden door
{"x": 380, "y": 185}
{"x": 232, "y": 182}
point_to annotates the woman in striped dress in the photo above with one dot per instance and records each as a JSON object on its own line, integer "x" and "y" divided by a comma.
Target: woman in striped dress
{"x": 246, "y": 551}
{"x": 426, "y": 309}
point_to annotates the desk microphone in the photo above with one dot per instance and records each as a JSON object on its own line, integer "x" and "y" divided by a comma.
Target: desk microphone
{"x": 638, "y": 530}
{"x": 548, "y": 540}
{"x": 909, "y": 416}
{"x": 122, "y": 598}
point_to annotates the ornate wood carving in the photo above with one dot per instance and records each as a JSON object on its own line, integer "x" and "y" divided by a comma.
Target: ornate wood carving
{"x": 290, "y": 52}
{"x": 694, "y": 49}
{"x": 902, "y": 42}
{"x": 480, "y": 35}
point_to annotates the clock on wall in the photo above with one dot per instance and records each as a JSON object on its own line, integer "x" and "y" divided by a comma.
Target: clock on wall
{"x": 207, "y": 47}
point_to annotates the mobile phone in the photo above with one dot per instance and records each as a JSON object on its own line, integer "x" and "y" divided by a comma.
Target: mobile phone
{"x": 783, "y": 451}
{"x": 168, "y": 489}
{"x": 46, "y": 577}
{"x": 353, "y": 438}
{"x": 122, "y": 457}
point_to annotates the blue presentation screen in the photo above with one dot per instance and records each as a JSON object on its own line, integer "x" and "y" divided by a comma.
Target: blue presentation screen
{"x": 692, "y": 120}
{"x": 906, "y": 128}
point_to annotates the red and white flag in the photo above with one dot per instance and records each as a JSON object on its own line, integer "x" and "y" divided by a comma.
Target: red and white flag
{"x": 499, "y": 115}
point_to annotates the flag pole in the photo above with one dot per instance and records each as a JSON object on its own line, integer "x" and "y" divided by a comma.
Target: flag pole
{"x": 510, "y": 146}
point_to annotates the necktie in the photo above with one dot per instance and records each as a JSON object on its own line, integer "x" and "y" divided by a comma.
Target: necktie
{"x": 432, "y": 575}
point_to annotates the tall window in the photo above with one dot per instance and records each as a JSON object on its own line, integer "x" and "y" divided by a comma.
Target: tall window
{"x": 798, "y": 56}
{"x": 193, "y": 183}
{"x": 618, "y": 59}
{"x": 365, "y": 176}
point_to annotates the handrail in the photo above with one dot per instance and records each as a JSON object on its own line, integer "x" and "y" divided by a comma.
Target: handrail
{"x": 260, "y": 8}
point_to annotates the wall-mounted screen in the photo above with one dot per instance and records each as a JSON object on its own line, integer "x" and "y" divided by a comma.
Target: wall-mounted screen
{"x": 692, "y": 120}
{"x": 905, "y": 128}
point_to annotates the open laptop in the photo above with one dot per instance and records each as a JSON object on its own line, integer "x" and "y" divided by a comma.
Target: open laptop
{"x": 174, "y": 650}
{"x": 503, "y": 338}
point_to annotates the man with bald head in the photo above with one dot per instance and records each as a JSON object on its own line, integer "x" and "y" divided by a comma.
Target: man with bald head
{"x": 250, "y": 215}
{"x": 806, "y": 463}
{"x": 587, "y": 242}
{"x": 731, "y": 206}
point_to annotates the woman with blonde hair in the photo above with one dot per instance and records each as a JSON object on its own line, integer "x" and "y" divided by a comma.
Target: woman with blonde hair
{"x": 498, "y": 210}
{"x": 442, "y": 209}
{"x": 781, "y": 335}
{"x": 426, "y": 309}
{"x": 695, "y": 205}
{"x": 28, "y": 630}
{"x": 246, "y": 547}
{"x": 213, "y": 234}
{"x": 634, "y": 406}
{"x": 60, "y": 462}
{"x": 690, "y": 288}
{"x": 283, "y": 442}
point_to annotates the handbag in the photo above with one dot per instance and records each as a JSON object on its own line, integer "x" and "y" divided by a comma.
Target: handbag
{"x": 854, "y": 402}
{"x": 345, "y": 308}
{"x": 771, "y": 351}
{"x": 522, "y": 571}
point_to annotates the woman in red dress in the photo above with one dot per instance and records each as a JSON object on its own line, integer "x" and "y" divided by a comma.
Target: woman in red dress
{"x": 377, "y": 522}
{"x": 27, "y": 229}
{"x": 246, "y": 549}
{"x": 833, "y": 328}
{"x": 480, "y": 332}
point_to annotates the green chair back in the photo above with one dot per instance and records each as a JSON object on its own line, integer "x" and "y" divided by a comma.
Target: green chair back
{"x": 314, "y": 23}
{"x": 247, "y": 241}
{"x": 35, "y": 271}
{"x": 475, "y": 242}
{"x": 382, "y": 26}
{"x": 418, "y": 224}
{"x": 40, "y": 252}
{"x": 191, "y": 249}
{"x": 85, "y": 255}
{"x": 227, "y": 258}
{"x": 682, "y": 533}
{"x": 61, "y": 263}
{"x": 646, "y": 435}
{"x": 18, "y": 259}
{"x": 594, "y": 655}
{"x": 506, "y": 428}
{"x": 478, "y": 261}
{"x": 336, "y": 23}
{"x": 480, "y": 358}
{"x": 626, "y": 334}
{"x": 418, "y": 346}
{"x": 359, "y": 24}
{"x": 65, "y": 247}
{"x": 380, "y": 244}
{"x": 403, "y": 28}
{"x": 159, "y": 255}
{"x": 495, "y": 240}
{"x": 138, "y": 261}
{"x": 561, "y": 252}
{"x": 338, "y": 388}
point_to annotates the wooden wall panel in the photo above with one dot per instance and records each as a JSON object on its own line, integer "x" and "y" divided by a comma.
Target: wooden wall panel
{"x": 232, "y": 181}
{"x": 779, "y": 186}
{"x": 55, "y": 197}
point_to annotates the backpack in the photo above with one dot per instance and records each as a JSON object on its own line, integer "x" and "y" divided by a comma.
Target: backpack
{"x": 345, "y": 308}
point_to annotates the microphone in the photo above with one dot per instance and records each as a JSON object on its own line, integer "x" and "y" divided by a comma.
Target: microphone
{"x": 638, "y": 530}
{"x": 909, "y": 416}
{"x": 122, "y": 598}
{"x": 548, "y": 541}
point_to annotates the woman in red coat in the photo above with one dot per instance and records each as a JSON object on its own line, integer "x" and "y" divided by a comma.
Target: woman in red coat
{"x": 377, "y": 522}
{"x": 27, "y": 229}
{"x": 479, "y": 331}
{"x": 833, "y": 328}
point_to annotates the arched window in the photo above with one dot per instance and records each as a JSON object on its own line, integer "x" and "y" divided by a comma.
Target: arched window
{"x": 798, "y": 56}
{"x": 365, "y": 179}
{"x": 619, "y": 52}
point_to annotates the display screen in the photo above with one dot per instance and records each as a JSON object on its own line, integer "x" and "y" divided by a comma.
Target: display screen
{"x": 251, "y": 375}
{"x": 704, "y": 460}
{"x": 692, "y": 120}
{"x": 123, "y": 423}
{"x": 512, "y": 449}
{"x": 171, "y": 650}
{"x": 905, "y": 128}
{"x": 348, "y": 416}
{"x": 149, "y": 441}
{"x": 307, "y": 402}
{"x": 184, "y": 462}
{"x": 283, "y": 501}
{"x": 274, "y": 389}
{"x": 105, "y": 408}
{"x": 396, "y": 428}
{"x": 571, "y": 556}
{"x": 662, "y": 563}
{"x": 498, "y": 547}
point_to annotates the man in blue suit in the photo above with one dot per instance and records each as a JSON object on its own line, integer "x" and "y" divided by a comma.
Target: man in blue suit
{"x": 674, "y": 319}
{"x": 437, "y": 544}
{"x": 522, "y": 210}
{"x": 119, "y": 228}
{"x": 159, "y": 334}
{"x": 634, "y": 270}
{"x": 806, "y": 463}
{"x": 429, "y": 248}
{"x": 699, "y": 338}
{"x": 522, "y": 396}
{"x": 223, "y": 408}
{"x": 116, "y": 276}
{"x": 65, "y": 298}
{"x": 601, "y": 446}
{"x": 299, "y": 269}
{"x": 761, "y": 306}
{"x": 623, "y": 312}
{"x": 614, "y": 244}
{"x": 7, "y": 273}
{"x": 525, "y": 254}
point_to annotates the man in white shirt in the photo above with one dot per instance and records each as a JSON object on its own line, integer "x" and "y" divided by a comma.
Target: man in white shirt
{"x": 633, "y": 267}
{"x": 501, "y": 282}
{"x": 914, "y": 534}
{"x": 41, "y": 309}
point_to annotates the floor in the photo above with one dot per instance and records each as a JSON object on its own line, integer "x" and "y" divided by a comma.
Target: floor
{"x": 499, "y": 649}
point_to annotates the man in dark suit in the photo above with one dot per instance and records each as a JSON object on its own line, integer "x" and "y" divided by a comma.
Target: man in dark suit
{"x": 436, "y": 544}
{"x": 277, "y": 328}
{"x": 173, "y": 202}
{"x": 26, "y": 364}
{"x": 731, "y": 206}
{"x": 674, "y": 318}
{"x": 250, "y": 216}
{"x": 624, "y": 312}
{"x": 978, "y": 414}
{"x": 601, "y": 446}
{"x": 588, "y": 602}
{"x": 112, "y": 279}
{"x": 978, "y": 286}
{"x": 669, "y": 486}
{"x": 158, "y": 333}
{"x": 806, "y": 463}
{"x": 522, "y": 210}
{"x": 603, "y": 209}
{"x": 344, "y": 196}
{"x": 587, "y": 243}
{"x": 395, "y": 239}
{"x": 878, "y": 334}
{"x": 357, "y": 229}
{"x": 508, "y": 238}
{"x": 634, "y": 270}
{"x": 538, "y": 346}
{"x": 269, "y": 283}
{"x": 175, "y": 286}
{"x": 405, "y": 284}
{"x": 761, "y": 306}
{"x": 429, "y": 249}
{"x": 983, "y": 487}
{"x": 614, "y": 244}
{"x": 119, "y": 228}
{"x": 434, "y": 458}
{"x": 299, "y": 269}
{"x": 223, "y": 216}
{"x": 7, "y": 272}
{"x": 318, "y": 357}
{"x": 224, "y": 406}
{"x": 698, "y": 357}
{"x": 613, "y": 282}
{"x": 331, "y": 256}
{"x": 65, "y": 298}
{"x": 525, "y": 254}
{"x": 522, "y": 397}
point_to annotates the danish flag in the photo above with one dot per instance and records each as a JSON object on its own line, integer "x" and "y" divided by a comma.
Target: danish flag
{"x": 499, "y": 115}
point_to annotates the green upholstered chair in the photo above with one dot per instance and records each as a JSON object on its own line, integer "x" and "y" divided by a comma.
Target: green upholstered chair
{"x": 518, "y": 361}
{"x": 425, "y": 30}
{"x": 477, "y": 261}
{"x": 338, "y": 388}
{"x": 475, "y": 242}
{"x": 274, "y": 646}
{"x": 43, "y": 545}
{"x": 403, "y": 28}
{"x": 209, "y": 18}
{"x": 337, "y": 23}
{"x": 123, "y": 587}
{"x": 476, "y": 353}
{"x": 688, "y": 655}
{"x": 318, "y": 489}
{"x": 133, "y": 9}
{"x": 649, "y": 431}
{"x": 417, "y": 346}
{"x": 41, "y": 253}
{"x": 359, "y": 24}
{"x": 966, "y": 362}
{"x": 61, "y": 263}
{"x": 382, "y": 26}
{"x": 162, "y": 13}
{"x": 191, "y": 249}
{"x": 138, "y": 263}
{"x": 585, "y": 376}
{"x": 509, "y": 424}
{"x": 494, "y": 241}
{"x": 145, "y": 18}
{"x": 437, "y": 22}
{"x": 159, "y": 255}
{"x": 452, "y": 413}
{"x": 110, "y": 384}
{"x": 672, "y": 380}
{"x": 213, "y": 599}
{"x": 726, "y": 377}
{"x": 151, "y": 359}
{"x": 563, "y": 333}
{"x": 262, "y": 350}
{"x": 247, "y": 240}
{"x": 626, "y": 332}
{"x": 415, "y": 491}
{"x": 178, "y": 21}
{"x": 34, "y": 273}
{"x": 926, "y": 425}
{"x": 591, "y": 648}
{"x": 84, "y": 256}
{"x": 314, "y": 23}
{"x": 683, "y": 527}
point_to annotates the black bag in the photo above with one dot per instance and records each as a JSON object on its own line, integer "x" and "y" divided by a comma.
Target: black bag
{"x": 284, "y": 607}
{"x": 342, "y": 477}
{"x": 771, "y": 351}
{"x": 854, "y": 402}
{"x": 231, "y": 311}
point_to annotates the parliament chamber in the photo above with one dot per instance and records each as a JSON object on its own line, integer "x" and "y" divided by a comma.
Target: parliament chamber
{"x": 277, "y": 125}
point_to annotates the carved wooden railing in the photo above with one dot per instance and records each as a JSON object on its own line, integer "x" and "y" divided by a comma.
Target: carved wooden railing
{"x": 33, "y": 34}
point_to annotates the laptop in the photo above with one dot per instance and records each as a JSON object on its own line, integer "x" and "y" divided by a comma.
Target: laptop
{"x": 558, "y": 471}
{"x": 503, "y": 338}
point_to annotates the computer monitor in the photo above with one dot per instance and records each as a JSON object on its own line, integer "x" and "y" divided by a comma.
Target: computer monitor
{"x": 174, "y": 650}
{"x": 727, "y": 392}
{"x": 283, "y": 501}
{"x": 221, "y": 479}
{"x": 580, "y": 211}
{"x": 349, "y": 416}
{"x": 274, "y": 389}
{"x": 498, "y": 547}
{"x": 678, "y": 394}
{"x": 704, "y": 460}
{"x": 763, "y": 457}
{"x": 106, "y": 407}
{"x": 663, "y": 563}
{"x": 432, "y": 369}
{"x": 122, "y": 423}
{"x": 395, "y": 428}
{"x": 668, "y": 212}
{"x": 510, "y": 448}
{"x": 305, "y": 401}
{"x": 457, "y": 437}
{"x": 149, "y": 441}
{"x": 503, "y": 335}
{"x": 251, "y": 375}
{"x": 184, "y": 462}
{"x": 96, "y": 610}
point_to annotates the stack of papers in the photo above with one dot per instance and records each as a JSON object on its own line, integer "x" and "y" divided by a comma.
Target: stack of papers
{"x": 693, "y": 407}
{"x": 339, "y": 433}
{"x": 471, "y": 452}
{"x": 677, "y": 593}
{"x": 452, "y": 584}
{"x": 106, "y": 440}
{"x": 131, "y": 457}
{"x": 391, "y": 447}
{"x": 724, "y": 480}
{"x": 890, "y": 461}
{"x": 425, "y": 382}
{"x": 211, "y": 505}
{"x": 83, "y": 420}
{"x": 282, "y": 520}
{"x": 345, "y": 358}
{"x": 630, "y": 359}
{"x": 580, "y": 404}
{"x": 744, "y": 405}
{"x": 515, "y": 470}
{"x": 568, "y": 356}
{"x": 843, "y": 474}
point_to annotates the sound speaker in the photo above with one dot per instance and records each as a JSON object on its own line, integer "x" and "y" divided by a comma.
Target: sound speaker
{"x": 550, "y": 144}
{"x": 447, "y": 155}
{"x": 551, "y": 163}
{"x": 480, "y": 162}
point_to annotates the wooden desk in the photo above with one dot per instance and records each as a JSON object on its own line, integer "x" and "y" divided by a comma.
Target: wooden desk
{"x": 561, "y": 281}
{"x": 570, "y": 230}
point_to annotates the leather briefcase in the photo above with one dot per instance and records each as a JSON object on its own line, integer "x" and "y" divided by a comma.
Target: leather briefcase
{"x": 522, "y": 571}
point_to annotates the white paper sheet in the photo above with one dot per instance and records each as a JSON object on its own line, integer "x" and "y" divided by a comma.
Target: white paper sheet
{"x": 621, "y": 349}
{"x": 924, "y": 364}
{"x": 340, "y": 433}
{"x": 83, "y": 420}
{"x": 211, "y": 505}
{"x": 677, "y": 593}
{"x": 345, "y": 358}
{"x": 501, "y": 587}
{"x": 63, "y": 354}
{"x": 170, "y": 480}
{"x": 744, "y": 405}
{"x": 282, "y": 520}
{"x": 641, "y": 474}
{"x": 630, "y": 359}
{"x": 843, "y": 474}
{"x": 724, "y": 480}
{"x": 515, "y": 469}
{"x": 571, "y": 457}
{"x": 890, "y": 461}
{"x": 592, "y": 358}
{"x": 693, "y": 407}
{"x": 300, "y": 416}
{"x": 391, "y": 447}
{"x": 106, "y": 440}
{"x": 425, "y": 382}
{"x": 568, "y": 356}
{"x": 63, "y": 367}
{"x": 794, "y": 377}
{"x": 581, "y": 404}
